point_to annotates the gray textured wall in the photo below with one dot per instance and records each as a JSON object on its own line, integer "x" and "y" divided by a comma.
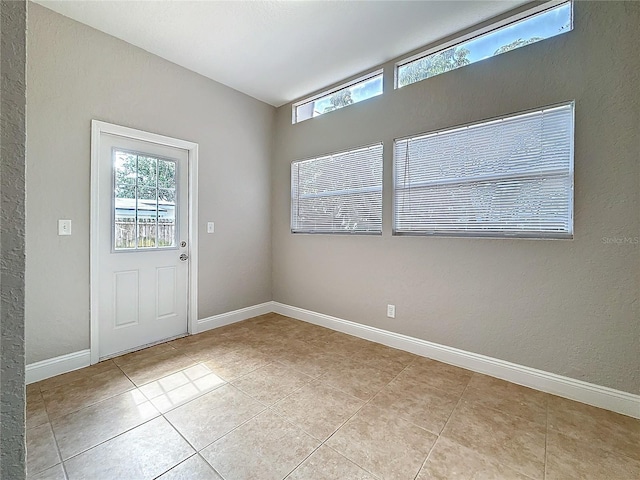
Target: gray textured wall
{"x": 12, "y": 166}
{"x": 568, "y": 307}
{"x": 76, "y": 73}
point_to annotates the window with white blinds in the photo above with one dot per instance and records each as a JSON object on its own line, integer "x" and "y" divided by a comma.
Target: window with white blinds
{"x": 338, "y": 193}
{"x": 510, "y": 176}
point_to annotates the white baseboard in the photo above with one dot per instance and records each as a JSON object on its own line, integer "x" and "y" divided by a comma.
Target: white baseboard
{"x": 228, "y": 318}
{"x": 589, "y": 393}
{"x": 56, "y": 366}
{"x": 73, "y": 361}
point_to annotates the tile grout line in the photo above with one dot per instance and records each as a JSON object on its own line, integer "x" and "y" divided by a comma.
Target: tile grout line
{"x": 598, "y": 447}
{"x": 442, "y": 430}
{"x": 48, "y": 422}
{"x": 109, "y": 439}
{"x": 174, "y": 466}
{"x": 163, "y": 414}
{"x": 404, "y": 367}
{"x": 513, "y": 467}
{"x": 502, "y": 412}
{"x": 160, "y": 414}
{"x": 366, "y": 402}
{"x": 354, "y": 462}
{"x": 210, "y": 466}
{"x": 55, "y": 440}
{"x": 89, "y": 404}
{"x": 95, "y": 403}
{"x": 439, "y": 436}
{"x": 135, "y": 387}
{"x": 424, "y": 462}
{"x": 546, "y": 440}
{"x": 322, "y": 442}
{"x": 171, "y": 372}
{"x": 268, "y": 406}
{"x": 454, "y": 408}
{"x": 227, "y": 433}
{"x": 317, "y": 380}
{"x": 302, "y": 461}
{"x": 174, "y": 407}
{"x": 400, "y": 415}
{"x": 196, "y": 453}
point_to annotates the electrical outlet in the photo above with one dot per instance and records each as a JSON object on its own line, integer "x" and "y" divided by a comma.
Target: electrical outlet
{"x": 211, "y": 228}
{"x": 391, "y": 311}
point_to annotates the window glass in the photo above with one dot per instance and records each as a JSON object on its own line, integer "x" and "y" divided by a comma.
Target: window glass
{"x": 144, "y": 202}
{"x": 534, "y": 28}
{"x": 355, "y": 92}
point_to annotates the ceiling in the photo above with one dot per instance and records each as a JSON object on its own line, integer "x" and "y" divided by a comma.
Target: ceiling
{"x": 279, "y": 51}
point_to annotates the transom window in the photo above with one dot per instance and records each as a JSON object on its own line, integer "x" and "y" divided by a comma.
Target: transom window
{"x": 510, "y": 176}
{"x": 338, "y": 193}
{"x": 353, "y": 92}
{"x": 543, "y": 21}
{"x": 144, "y": 201}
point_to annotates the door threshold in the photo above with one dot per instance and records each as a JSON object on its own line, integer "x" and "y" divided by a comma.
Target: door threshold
{"x": 142, "y": 347}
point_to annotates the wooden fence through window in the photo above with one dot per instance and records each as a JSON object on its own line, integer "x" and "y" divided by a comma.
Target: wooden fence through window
{"x": 148, "y": 232}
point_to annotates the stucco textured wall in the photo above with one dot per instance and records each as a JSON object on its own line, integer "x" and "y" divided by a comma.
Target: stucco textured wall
{"x": 76, "y": 73}
{"x": 567, "y": 307}
{"x": 12, "y": 200}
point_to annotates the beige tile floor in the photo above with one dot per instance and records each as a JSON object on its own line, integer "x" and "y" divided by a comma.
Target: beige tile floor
{"x": 275, "y": 398}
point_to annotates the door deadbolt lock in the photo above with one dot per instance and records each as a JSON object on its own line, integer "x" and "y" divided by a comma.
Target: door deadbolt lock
{"x": 184, "y": 257}
{"x": 183, "y": 244}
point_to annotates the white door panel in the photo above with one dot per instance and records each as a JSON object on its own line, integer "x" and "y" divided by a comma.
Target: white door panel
{"x": 142, "y": 233}
{"x": 126, "y": 295}
{"x": 166, "y": 292}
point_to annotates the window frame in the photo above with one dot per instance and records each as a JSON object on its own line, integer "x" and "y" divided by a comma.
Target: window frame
{"x": 498, "y": 235}
{"x": 342, "y": 192}
{"x": 331, "y": 91}
{"x": 458, "y": 40}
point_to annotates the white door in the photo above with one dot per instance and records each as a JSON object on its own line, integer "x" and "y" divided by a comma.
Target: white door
{"x": 143, "y": 255}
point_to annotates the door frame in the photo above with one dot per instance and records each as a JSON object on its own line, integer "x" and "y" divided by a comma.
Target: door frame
{"x": 97, "y": 129}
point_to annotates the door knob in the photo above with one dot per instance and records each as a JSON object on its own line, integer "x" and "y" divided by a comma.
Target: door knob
{"x": 184, "y": 257}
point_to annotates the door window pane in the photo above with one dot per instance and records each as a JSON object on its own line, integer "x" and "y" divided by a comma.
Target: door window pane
{"x": 147, "y": 211}
{"x": 166, "y": 174}
{"x": 147, "y": 173}
{"x": 125, "y": 217}
{"x": 166, "y": 217}
{"x": 144, "y": 202}
{"x": 125, "y": 168}
{"x": 166, "y": 203}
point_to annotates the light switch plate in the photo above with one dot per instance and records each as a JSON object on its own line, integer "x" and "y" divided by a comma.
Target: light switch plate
{"x": 210, "y": 227}
{"x": 64, "y": 227}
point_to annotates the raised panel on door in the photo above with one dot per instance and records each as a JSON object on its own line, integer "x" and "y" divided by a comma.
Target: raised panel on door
{"x": 166, "y": 292}
{"x": 125, "y": 298}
